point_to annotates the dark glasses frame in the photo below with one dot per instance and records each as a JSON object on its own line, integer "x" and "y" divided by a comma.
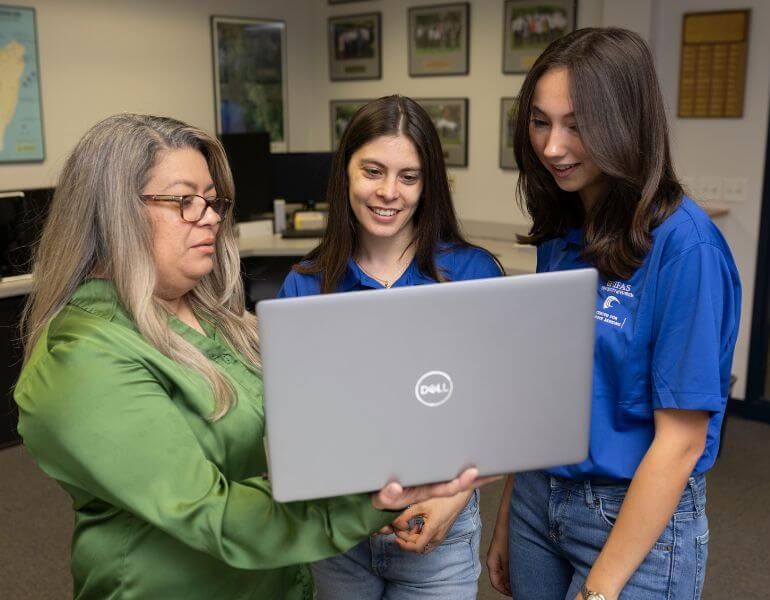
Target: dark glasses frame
{"x": 220, "y": 205}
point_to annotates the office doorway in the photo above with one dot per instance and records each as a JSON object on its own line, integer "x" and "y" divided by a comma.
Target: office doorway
{"x": 757, "y": 404}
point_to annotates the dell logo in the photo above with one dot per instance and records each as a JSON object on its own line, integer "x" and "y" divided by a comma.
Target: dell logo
{"x": 434, "y": 388}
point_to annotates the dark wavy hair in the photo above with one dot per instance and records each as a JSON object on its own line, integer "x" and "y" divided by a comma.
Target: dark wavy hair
{"x": 622, "y": 122}
{"x": 435, "y": 222}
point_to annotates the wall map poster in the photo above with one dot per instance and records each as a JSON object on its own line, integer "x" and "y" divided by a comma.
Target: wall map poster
{"x": 21, "y": 121}
{"x": 712, "y": 74}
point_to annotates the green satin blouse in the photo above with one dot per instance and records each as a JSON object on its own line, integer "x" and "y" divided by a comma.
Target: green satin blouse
{"x": 167, "y": 504}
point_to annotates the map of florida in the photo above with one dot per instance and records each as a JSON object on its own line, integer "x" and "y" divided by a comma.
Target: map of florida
{"x": 11, "y": 68}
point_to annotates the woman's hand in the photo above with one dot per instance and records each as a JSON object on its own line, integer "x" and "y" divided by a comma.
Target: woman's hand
{"x": 395, "y": 497}
{"x": 497, "y": 555}
{"x": 497, "y": 563}
{"x": 436, "y": 517}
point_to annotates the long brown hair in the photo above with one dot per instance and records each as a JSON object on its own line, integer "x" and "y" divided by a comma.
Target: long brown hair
{"x": 622, "y": 122}
{"x": 97, "y": 223}
{"x": 435, "y": 221}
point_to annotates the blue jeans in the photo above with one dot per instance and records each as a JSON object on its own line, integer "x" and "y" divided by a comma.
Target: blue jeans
{"x": 558, "y": 527}
{"x": 378, "y": 569}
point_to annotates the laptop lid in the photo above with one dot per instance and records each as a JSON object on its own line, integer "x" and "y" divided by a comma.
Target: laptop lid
{"x": 415, "y": 384}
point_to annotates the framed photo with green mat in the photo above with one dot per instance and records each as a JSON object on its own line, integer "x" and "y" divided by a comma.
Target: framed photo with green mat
{"x": 507, "y": 122}
{"x": 450, "y": 116}
{"x": 439, "y": 39}
{"x": 529, "y": 26}
{"x": 340, "y": 113}
{"x": 355, "y": 47}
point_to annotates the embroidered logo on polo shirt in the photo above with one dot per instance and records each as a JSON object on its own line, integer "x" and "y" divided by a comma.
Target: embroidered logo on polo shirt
{"x": 618, "y": 291}
{"x": 618, "y": 288}
{"x": 433, "y": 388}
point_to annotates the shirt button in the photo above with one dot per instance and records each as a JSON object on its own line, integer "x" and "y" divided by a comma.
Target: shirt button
{"x": 227, "y": 359}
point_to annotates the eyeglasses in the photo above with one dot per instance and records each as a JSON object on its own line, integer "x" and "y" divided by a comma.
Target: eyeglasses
{"x": 192, "y": 207}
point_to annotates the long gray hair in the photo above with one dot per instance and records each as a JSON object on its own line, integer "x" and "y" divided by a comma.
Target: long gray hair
{"x": 98, "y": 225}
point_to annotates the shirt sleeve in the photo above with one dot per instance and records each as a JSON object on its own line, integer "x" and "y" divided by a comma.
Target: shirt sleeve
{"x": 477, "y": 263}
{"x": 290, "y": 289}
{"x": 694, "y": 329}
{"x": 104, "y": 424}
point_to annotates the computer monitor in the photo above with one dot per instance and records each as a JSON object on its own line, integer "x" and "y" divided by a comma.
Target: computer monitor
{"x": 301, "y": 176}
{"x": 249, "y": 158}
{"x": 22, "y": 214}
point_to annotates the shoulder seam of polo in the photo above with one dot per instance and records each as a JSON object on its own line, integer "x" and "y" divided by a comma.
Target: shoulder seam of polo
{"x": 689, "y": 249}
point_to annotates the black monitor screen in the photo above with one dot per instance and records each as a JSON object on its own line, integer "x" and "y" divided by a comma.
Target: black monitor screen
{"x": 22, "y": 214}
{"x": 249, "y": 158}
{"x": 301, "y": 176}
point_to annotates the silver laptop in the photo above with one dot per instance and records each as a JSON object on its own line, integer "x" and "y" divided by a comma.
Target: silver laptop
{"x": 415, "y": 384}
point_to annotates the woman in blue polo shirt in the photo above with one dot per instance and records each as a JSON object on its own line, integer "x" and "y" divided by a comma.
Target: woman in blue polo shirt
{"x": 597, "y": 179}
{"x": 392, "y": 224}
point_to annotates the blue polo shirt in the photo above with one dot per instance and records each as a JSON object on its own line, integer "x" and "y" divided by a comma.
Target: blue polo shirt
{"x": 456, "y": 263}
{"x": 664, "y": 339}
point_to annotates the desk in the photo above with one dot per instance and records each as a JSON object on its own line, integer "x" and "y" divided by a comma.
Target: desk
{"x": 17, "y": 285}
{"x": 515, "y": 258}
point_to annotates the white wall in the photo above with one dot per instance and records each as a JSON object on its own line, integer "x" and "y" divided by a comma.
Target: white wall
{"x": 102, "y": 57}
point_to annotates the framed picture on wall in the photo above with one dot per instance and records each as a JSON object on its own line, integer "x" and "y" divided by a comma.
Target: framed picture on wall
{"x": 340, "y": 113}
{"x": 450, "y": 116}
{"x": 507, "y": 121}
{"x": 439, "y": 39}
{"x": 21, "y": 115}
{"x": 250, "y": 83}
{"x": 529, "y": 26}
{"x": 354, "y": 47}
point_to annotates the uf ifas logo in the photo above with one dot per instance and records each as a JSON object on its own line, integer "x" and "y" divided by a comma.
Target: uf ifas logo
{"x": 434, "y": 388}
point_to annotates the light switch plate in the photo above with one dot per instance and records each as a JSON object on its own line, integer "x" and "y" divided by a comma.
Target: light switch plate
{"x": 734, "y": 189}
{"x": 710, "y": 188}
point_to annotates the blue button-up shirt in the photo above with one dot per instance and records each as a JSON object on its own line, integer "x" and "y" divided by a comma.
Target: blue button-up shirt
{"x": 664, "y": 339}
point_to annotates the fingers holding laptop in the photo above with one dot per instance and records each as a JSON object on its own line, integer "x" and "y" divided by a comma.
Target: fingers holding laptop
{"x": 425, "y": 525}
{"x": 395, "y": 497}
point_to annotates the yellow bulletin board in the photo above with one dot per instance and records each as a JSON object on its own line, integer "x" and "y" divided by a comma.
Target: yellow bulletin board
{"x": 712, "y": 75}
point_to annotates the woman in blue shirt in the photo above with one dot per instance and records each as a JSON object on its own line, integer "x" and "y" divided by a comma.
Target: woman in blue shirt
{"x": 392, "y": 224}
{"x": 597, "y": 179}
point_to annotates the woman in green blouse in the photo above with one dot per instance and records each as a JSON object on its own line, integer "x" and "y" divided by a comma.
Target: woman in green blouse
{"x": 141, "y": 393}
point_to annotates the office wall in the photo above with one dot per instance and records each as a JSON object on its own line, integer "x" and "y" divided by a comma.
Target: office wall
{"x": 102, "y": 57}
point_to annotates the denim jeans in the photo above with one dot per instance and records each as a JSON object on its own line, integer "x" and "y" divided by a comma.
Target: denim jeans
{"x": 558, "y": 527}
{"x": 378, "y": 569}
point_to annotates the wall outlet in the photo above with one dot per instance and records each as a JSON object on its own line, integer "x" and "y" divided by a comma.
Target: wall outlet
{"x": 734, "y": 189}
{"x": 710, "y": 188}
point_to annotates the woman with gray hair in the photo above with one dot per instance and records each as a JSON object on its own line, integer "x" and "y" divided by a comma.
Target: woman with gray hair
{"x": 141, "y": 391}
